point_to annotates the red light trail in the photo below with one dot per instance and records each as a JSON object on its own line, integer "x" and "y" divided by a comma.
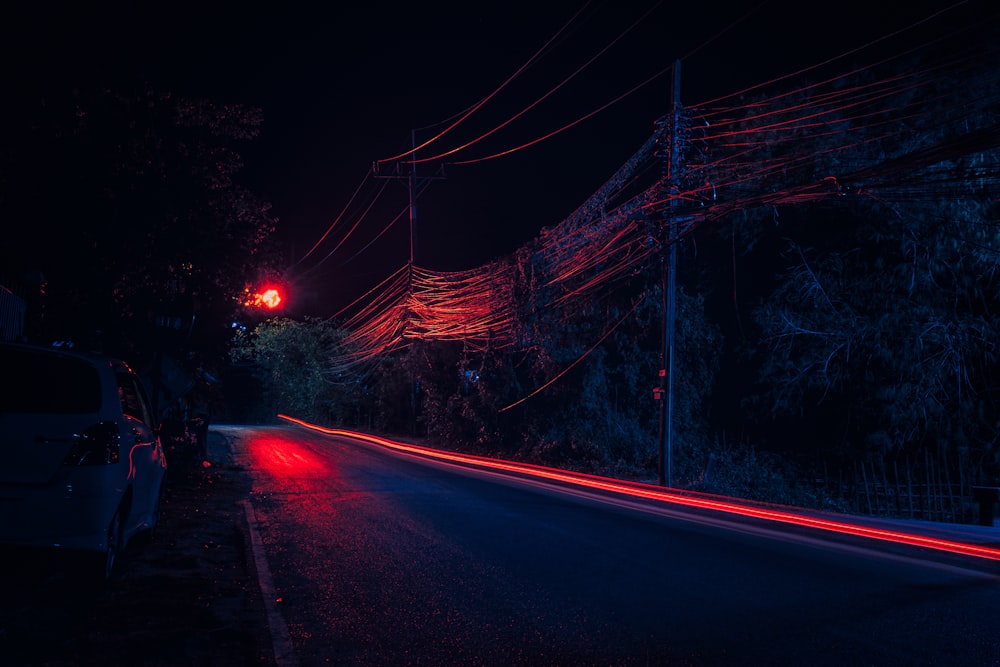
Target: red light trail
{"x": 660, "y": 494}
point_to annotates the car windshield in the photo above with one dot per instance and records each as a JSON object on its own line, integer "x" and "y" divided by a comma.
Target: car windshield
{"x": 34, "y": 382}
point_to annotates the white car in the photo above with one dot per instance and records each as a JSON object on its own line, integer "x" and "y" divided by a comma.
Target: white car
{"x": 81, "y": 464}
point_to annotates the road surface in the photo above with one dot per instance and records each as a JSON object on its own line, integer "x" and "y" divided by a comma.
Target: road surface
{"x": 377, "y": 558}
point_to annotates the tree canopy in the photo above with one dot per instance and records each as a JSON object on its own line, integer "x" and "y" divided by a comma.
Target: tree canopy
{"x": 127, "y": 227}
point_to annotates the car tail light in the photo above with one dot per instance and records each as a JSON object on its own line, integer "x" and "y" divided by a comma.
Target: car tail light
{"x": 98, "y": 445}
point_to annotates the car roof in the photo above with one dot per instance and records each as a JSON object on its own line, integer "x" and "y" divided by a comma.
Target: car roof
{"x": 95, "y": 358}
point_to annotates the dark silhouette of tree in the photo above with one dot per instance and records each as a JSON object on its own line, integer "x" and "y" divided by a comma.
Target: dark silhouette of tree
{"x": 129, "y": 203}
{"x": 292, "y": 358}
{"x": 882, "y": 324}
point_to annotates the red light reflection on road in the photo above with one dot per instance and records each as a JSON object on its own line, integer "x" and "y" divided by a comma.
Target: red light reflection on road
{"x": 284, "y": 457}
{"x": 661, "y": 494}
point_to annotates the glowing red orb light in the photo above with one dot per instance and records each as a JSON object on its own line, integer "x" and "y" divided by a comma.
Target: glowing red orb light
{"x": 269, "y": 298}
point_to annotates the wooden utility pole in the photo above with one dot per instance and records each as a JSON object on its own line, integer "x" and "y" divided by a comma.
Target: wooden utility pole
{"x": 411, "y": 188}
{"x": 669, "y": 235}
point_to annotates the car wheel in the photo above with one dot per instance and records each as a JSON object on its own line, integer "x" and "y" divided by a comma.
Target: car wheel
{"x": 91, "y": 571}
{"x": 113, "y": 547}
{"x": 148, "y": 535}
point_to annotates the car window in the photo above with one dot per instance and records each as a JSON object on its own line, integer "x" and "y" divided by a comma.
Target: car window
{"x": 132, "y": 398}
{"x": 35, "y": 382}
{"x": 143, "y": 401}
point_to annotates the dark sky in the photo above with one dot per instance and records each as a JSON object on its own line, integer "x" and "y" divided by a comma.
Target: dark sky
{"x": 343, "y": 84}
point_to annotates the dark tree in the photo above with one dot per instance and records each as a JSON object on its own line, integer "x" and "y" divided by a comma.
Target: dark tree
{"x": 129, "y": 204}
{"x": 882, "y": 325}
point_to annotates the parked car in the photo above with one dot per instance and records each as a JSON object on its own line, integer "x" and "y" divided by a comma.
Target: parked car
{"x": 81, "y": 464}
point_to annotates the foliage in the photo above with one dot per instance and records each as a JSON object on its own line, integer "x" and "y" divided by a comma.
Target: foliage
{"x": 741, "y": 470}
{"x": 882, "y": 316}
{"x": 293, "y": 357}
{"x": 128, "y": 202}
{"x": 576, "y": 389}
{"x": 897, "y": 330}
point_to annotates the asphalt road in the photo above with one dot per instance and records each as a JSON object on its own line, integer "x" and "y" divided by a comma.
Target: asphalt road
{"x": 374, "y": 558}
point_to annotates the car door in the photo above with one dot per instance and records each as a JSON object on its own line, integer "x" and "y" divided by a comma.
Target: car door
{"x": 146, "y": 460}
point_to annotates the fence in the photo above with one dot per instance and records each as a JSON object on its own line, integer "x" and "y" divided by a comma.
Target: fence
{"x": 12, "y": 310}
{"x": 927, "y": 490}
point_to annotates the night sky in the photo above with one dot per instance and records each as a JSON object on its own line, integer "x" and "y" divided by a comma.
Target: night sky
{"x": 343, "y": 86}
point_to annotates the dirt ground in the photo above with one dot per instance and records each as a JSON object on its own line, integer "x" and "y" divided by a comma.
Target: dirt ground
{"x": 187, "y": 595}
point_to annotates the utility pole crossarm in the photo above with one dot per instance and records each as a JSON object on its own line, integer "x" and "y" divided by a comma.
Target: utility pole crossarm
{"x": 411, "y": 186}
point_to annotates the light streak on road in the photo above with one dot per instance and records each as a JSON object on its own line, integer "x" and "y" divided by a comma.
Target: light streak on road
{"x": 282, "y": 458}
{"x": 672, "y": 496}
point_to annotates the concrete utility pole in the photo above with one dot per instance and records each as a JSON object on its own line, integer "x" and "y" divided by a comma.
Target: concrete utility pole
{"x": 666, "y": 392}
